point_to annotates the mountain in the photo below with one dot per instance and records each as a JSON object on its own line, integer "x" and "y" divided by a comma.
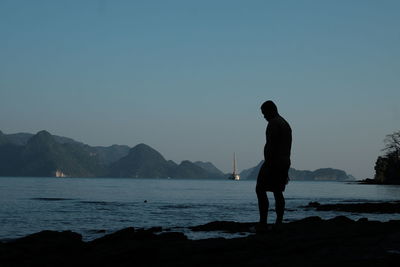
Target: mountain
{"x": 44, "y": 154}
{"x": 324, "y": 174}
{"x": 189, "y": 169}
{"x": 8, "y": 156}
{"x": 23, "y": 138}
{"x": 251, "y": 173}
{"x": 109, "y": 154}
{"x": 208, "y": 166}
{"x": 3, "y": 139}
{"x": 144, "y": 162}
{"x": 328, "y": 174}
{"x": 106, "y": 155}
{"x": 19, "y": 138}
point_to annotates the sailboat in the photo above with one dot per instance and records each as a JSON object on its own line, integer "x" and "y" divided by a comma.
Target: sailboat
{"x": 234, "y": 176}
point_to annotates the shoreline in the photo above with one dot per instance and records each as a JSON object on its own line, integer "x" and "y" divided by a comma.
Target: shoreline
{"x": 312, "y": 241}
{"x": 377, "y": 210}
{"x": 375, "y": 182}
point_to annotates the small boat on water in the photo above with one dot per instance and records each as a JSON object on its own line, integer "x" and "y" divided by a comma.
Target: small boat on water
{"x": 59, "y": 174}
{"x": 234, "y": 176}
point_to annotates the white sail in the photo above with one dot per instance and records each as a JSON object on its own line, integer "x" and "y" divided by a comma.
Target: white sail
{"x": 235, "y": 175}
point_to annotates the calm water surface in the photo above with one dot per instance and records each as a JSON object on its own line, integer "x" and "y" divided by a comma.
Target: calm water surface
{"x": 92, "y": 206}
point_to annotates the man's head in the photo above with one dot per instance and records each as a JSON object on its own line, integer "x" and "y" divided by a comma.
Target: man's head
{"x": 269, "y": 109}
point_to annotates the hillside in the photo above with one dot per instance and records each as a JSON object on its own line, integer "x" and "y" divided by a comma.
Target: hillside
{"x": 43, "y": 156}
{"x": 144, "y": 162}
{"x": 323, "y": 174}
{"x": 208, "y": 166}
{"x": 46, "y": 155}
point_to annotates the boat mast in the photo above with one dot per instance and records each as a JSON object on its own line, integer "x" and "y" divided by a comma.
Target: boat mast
{"x": 234, "y": 163}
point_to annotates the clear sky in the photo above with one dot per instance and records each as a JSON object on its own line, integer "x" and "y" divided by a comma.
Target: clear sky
{"x": 188, "y": 77}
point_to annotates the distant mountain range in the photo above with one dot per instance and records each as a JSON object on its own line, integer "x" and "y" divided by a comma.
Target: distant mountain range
{"x": 43, "y": 154}
{"x": 324, "y": 174}
{"x": 46, "y": 155}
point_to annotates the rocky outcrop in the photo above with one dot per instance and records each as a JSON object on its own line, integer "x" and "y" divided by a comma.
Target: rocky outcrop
{"x": 308, "y": 242}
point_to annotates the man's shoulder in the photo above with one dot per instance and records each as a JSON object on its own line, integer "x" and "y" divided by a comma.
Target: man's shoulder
{"x": 280, "y": 122}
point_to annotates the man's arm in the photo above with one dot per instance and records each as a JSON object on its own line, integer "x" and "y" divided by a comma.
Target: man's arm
{"x": 270, "y": 148}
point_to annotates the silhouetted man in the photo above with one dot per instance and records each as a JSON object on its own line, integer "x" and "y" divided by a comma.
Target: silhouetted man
{"x": 273, "y": 175}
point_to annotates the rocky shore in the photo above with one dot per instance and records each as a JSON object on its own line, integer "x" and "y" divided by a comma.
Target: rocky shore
{"x": 309, "y": 242}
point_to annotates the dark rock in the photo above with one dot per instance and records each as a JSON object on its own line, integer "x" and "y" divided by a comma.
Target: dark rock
{"x": 124, "y": 234}
{"x": 314, "y": 204}
{"x": 131, "y": 234}
{"x": 155, "y": 229}
{"x": 312, "y": 219}
{"x": 176, "y": 236}
{"x": 46, "y": 248}
{"x": 341, "y": 220}
{"x": 101, "y": 231}
{"x": 231, "y": 227}
{"x": 369, "y": 181}
{"x": 51, "y": 238}
{"x": 309, "y": 242}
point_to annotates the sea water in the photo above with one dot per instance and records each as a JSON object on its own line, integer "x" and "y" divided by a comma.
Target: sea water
{"x": 97, "y": 206}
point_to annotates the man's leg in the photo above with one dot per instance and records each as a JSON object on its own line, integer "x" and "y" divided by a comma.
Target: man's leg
{"x": 279, "y": 206}
{"x": 263, "y": 204}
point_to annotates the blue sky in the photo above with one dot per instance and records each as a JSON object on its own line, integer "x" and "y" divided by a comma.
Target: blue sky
{"x": 188, "y": 77}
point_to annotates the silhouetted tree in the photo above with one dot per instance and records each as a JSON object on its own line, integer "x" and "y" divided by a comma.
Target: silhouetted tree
{"x": 392, "y": 144}
{"x": 387, "y": 167}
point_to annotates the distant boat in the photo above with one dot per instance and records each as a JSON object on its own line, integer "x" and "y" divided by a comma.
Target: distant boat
{"x": 60, "y": 174}
{"x": 234, "y": 176}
